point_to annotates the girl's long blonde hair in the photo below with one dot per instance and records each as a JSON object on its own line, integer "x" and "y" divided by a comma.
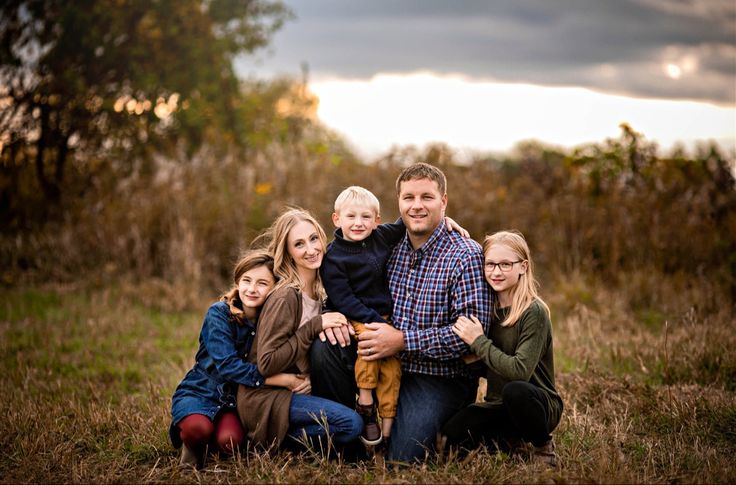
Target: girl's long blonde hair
{"x": 284, "y": 267}
{"x": 525, "y": 291}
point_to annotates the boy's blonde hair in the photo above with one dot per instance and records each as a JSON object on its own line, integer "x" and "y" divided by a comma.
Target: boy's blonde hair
{"x": 357, "y": 195}
{"x": 525, "y": 291}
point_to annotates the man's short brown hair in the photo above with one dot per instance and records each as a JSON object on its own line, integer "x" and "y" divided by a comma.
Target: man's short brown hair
{"x": 422, "y": 170}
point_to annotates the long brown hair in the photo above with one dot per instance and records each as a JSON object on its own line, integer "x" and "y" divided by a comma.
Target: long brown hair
{"x": 284, "y": 266}
{"x": 526, "y": 290}
{"x": 251, "y": 259}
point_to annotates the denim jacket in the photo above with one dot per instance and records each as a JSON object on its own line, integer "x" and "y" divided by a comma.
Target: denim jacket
{"x": 211, "y": 385}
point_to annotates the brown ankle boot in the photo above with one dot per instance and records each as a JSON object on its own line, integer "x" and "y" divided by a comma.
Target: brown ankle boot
{"x": 371, "y": 434}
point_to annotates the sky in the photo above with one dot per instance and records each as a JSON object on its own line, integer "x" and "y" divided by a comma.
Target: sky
{"x": 482, "y": 76}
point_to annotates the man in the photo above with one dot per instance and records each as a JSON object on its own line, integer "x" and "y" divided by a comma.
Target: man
{"x": 435, "y": 276}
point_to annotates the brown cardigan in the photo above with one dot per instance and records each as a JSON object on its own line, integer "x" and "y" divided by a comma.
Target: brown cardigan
{"x": 280, "y": 346}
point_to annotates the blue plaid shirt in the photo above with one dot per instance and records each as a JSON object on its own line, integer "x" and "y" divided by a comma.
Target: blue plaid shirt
{"x": 431, "y": 287}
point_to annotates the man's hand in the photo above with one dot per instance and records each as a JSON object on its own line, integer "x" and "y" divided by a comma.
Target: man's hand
{"x": 379, "y": 341}
{"x": 468, "y": 329}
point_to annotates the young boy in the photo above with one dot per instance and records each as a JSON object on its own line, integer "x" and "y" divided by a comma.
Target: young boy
{"x": 354, "y": 275}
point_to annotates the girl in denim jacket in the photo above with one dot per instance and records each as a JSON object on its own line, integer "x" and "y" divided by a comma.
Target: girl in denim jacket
{"x": 203, "y": 406}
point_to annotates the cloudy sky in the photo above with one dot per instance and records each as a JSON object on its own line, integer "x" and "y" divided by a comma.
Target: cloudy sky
{"x": 485, "y": 74}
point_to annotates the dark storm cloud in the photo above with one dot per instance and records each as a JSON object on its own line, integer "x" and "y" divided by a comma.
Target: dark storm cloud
{"x": 618, "y": 46}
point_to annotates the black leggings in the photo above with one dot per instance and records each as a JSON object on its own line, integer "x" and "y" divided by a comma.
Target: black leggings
{"x": 523, "y": 416}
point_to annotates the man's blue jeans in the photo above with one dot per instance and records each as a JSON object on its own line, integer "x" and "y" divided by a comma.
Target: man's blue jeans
{"x": 309, "y": 414}
{"x": 425, "y": 402}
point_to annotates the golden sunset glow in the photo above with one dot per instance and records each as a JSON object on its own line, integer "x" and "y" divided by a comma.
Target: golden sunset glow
{"x": 421, "y": 108}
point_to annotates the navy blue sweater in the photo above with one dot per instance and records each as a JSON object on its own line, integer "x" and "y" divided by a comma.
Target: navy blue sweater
{"x": 354, "y": 273}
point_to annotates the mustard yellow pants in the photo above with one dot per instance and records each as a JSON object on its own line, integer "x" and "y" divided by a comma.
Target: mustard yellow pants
{"x": 383, "y": 375}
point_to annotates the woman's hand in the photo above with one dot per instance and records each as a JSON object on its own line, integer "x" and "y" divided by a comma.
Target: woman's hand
{"x": 339, "y": 335}
{"x": 287, "y": 380}
{"x": 303, "y": 384}
{"x": 296, "y": 383}
{"x": 454, "y": 226}
{"x": 468, "y": 329}
{"x": 333, "y": 320}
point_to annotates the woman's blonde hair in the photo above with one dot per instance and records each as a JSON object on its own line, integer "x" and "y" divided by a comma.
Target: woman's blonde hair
{"x": 284, "y": 267}
{"x": 525, "y": 291}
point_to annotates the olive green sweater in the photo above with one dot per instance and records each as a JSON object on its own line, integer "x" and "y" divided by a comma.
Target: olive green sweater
{"x": 522, "y": 352}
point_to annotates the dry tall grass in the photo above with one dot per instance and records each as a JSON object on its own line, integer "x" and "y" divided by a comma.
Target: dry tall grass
{"x": 88, "y": 372}
{"x": 101, "y": 303}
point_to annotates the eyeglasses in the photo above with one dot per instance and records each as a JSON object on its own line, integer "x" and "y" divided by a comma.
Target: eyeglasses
{"x": 504, "y": 265}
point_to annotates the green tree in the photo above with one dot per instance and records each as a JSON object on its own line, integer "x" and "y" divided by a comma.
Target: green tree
{"x": 88, "y": 79}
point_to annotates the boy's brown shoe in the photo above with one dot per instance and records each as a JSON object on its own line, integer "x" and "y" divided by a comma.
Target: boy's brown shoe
{"x": 371, "y": 434}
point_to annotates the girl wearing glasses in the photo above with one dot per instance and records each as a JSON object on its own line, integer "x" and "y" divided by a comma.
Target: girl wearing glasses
{"x": 521, "y": 404}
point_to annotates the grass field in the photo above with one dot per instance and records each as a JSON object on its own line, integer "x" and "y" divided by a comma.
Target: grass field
{"x": 88, "y": 371}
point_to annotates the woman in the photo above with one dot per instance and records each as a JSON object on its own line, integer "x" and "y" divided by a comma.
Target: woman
{"x": 521, "y": 404}
{"x": 291, "y": 319}
{"x": 203, "y": 405}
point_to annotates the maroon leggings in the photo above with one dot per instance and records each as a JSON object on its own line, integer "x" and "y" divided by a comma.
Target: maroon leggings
{"x": 197, "y": 430}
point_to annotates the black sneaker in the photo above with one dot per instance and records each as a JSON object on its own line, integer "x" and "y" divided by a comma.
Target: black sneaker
{"x": 371, "y": 434}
